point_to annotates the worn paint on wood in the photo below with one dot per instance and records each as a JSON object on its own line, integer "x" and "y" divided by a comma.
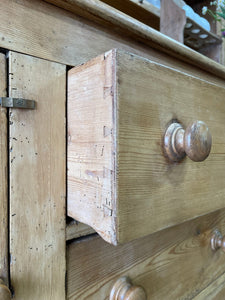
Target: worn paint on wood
{"x": 37, "y": 179}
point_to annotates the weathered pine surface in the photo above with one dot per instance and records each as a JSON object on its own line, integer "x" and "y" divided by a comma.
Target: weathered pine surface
{"x": 37, "y": 179}
{"x": 127, "y": 26}
{"x": 176, "y": 263}
{"x": 4, "y": 265}
{"x": 118, "y": 175}
{"x": 45, "y": 32}
{"x": 216, "y": 290}
{"x": 91, "y": 165}
{"x": 143, "y": 11}
{"x": 54, "y": 42}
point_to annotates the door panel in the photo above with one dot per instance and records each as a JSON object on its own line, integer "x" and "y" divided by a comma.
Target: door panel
{"x": 3, "y": 177}
{"x": 37, "y": 179}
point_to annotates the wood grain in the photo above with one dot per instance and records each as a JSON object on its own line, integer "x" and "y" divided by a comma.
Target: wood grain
{"x": 176, "y": 263}
{"x": 54, "y": 42}
{"x": 90, "y": 162}
{"x": 216, "y": 290}
{"x": 37, "y": 179}
{"x": 4, "y": 264}
{"x": 142, "y": 11}
{"x": 118, "y": 175}
{"x": 152, "y": 193}
{"x": 92, "y": 39}
{"x": 103, "y": 14}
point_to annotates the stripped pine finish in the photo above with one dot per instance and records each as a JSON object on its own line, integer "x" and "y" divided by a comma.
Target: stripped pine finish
{"x": 4, "y": 265}
{"x": 216, "y": 290}
{"x": 117, "y": 172}
{"x": 92, "y": 39}
{"x": 176, "y": 263}
{"x": 37, "y": 179}
{"x": 108, "y": 16}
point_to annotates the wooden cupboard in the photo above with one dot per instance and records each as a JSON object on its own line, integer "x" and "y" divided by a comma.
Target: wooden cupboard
{"x": 42, "y": 255}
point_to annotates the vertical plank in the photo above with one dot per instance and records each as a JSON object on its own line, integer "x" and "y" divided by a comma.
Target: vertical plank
{"x": 221, "y": 53}
{"x": 37, "y": 179}
{"x": 3, "y": 177}
{"x": 172, "y": 20}
{"x": 91, "y": 148}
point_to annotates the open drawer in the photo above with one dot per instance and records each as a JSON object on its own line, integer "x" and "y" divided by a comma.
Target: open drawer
{"x": 121, "y": 180}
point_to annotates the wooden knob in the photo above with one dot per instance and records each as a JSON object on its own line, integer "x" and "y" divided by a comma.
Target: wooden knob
{"x": 217, "y": 241}
{"x": 195, "y": 141}
{"x": 5, "y": 293}
{"x": 124, "y": 290}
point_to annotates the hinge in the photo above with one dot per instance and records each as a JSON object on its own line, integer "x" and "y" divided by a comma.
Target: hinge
{"x": 17, "y": 103}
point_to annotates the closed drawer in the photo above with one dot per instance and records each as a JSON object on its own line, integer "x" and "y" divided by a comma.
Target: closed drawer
{"x": 120, "y": 181}
{"x": 176, "y": 263}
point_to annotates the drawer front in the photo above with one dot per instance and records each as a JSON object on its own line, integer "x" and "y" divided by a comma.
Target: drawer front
{"x": 176, "y": 263}
{"x": 215, "y": 290}
{"x": 119, "y": 179}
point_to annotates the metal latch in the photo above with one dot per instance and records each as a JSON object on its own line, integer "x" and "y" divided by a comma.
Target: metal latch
{"x": 17, "y": 102}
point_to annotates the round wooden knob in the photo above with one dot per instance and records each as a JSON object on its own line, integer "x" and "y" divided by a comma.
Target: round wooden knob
{"x": 124, "y": 290}
{"x": 217, "y": 241}
{"x": 5, "y": 293}
{"x": 195, "y": 141}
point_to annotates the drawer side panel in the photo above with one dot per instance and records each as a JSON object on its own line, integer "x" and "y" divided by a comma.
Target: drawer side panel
{"x": 91, "y": 154}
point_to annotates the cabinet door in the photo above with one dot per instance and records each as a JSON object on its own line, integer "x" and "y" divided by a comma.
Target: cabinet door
{"x": 3, "y": 177}
{"x": 37, "y": 179}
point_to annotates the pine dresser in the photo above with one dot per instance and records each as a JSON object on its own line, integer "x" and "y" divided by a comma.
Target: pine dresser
{"x": 112, "y": 186}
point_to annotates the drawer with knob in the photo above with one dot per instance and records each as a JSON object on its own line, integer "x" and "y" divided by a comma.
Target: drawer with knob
{"x": 146, "y": 146}
{"x": 175, "y": 263}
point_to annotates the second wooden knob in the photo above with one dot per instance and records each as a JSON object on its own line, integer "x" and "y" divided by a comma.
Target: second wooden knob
{"x": 124, "y": 290}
